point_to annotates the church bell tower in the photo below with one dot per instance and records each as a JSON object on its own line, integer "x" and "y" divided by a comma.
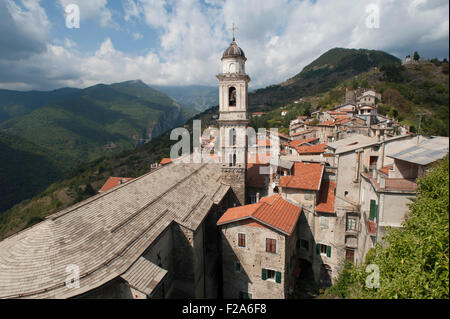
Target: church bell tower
{"x": 233, "y": 121}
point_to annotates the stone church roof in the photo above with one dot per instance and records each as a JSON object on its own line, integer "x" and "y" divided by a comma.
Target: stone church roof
{"x": 106, "y": 234}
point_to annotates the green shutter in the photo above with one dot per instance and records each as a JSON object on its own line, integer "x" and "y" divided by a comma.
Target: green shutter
{"x": 373, "y": 205}
{"x": 264, "y": 274}
{"x": 328, "y": 251}
{"x": 377, "y": 211}
{"x": 318, "y": 249}
{"x": 278, "y": 277}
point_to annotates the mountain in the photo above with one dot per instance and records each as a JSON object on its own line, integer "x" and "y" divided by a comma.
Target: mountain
{"x": 195, "y": 97}
{"x": 57, "y": 131}
{"x": 99, "y": 120}
{"x": 322, "y": 74}
{"x": 26, "y": 169}
{"x": 16, "y": 103}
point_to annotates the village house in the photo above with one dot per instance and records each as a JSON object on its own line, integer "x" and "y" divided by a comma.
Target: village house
{"x": 259, "y": 249}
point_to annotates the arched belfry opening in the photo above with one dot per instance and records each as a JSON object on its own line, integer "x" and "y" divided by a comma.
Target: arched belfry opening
{"x": 232, "y": 96}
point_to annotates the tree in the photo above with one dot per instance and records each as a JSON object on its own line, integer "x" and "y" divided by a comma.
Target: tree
{"x": 416, "y": 56}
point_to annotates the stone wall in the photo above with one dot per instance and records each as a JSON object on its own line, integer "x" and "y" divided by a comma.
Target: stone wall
{"x": 253, "y": 259}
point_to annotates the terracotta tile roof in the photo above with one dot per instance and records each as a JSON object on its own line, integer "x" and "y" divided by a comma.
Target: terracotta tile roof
{"x": 165, "y": 161}
{"x": 311, "y": 149}
{"x": 386, "y": 169}
{"x": 326, "y": 198}
{"x": 326, "y": 123}
{"x": 113, "y": 182}
{"x": 296, "y": 143}
{"x": 302, "y": 132}
{"x": 306, "y": 176}
{"x": 337, "y": 113}
{"x": 272, "y": 211}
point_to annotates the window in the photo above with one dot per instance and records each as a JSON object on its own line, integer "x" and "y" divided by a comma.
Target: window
{"x": 232, "y": 137}
{"x": 351, "y": 224}
{"x": 271, "y": 245}
{"x": 245, "y": 295}
{"x": 324, "y": 250}
{"x": 241, "y": 240}
{"x": 269, "y": 274}
{"x": 237, "y": 267}
{"x": 373, "y": 210}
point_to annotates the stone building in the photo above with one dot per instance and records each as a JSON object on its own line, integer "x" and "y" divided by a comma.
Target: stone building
{"x": 259, "y": 249}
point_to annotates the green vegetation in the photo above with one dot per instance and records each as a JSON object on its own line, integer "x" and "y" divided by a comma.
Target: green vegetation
{"x": 413, "y": 261}
{"x": 59, "y": 130}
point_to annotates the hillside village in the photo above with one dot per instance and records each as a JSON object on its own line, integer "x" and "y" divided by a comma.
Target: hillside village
{"x": 247, "y": 222}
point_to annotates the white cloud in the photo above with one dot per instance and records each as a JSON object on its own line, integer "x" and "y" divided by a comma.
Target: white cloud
{"x": 279, "y": 38}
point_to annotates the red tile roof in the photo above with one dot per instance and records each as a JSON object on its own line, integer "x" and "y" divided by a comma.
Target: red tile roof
{"x": 296, "y": 143}
{"x": 386, "y": 169}
{"x": 306, "y": 176}
{"x": 302, "y": 132}
{"x": 326, "y": 198}
{"x": 272, "y": 211}
{"x": 113, "y": 182}
{"x": 165, "y": 161}
{"x": 312, "y": 149}
{"x": 337, "y": 113}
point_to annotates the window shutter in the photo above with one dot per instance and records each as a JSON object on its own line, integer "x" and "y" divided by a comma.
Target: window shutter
{"x": 318, "y": 249}
{"x": 328, "y": 251}
{"x": 264, "y": 274}
{"x": 298, "y": 244}
{"x": 278, "y": 277}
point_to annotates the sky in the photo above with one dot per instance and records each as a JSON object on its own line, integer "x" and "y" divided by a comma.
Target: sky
{"x": 180, "y": 42}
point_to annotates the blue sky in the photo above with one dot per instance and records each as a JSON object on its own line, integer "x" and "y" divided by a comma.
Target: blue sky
{"x": 179, "y": 42}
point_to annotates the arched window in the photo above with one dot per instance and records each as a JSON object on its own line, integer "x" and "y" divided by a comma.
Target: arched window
{"x": 234, "y": 159}
{"x": 232, "y": 96}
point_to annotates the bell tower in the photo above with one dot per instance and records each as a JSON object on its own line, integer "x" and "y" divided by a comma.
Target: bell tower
{"x": 233, "y": 121}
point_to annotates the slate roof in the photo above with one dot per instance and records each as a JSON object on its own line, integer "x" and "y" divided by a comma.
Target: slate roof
{"x": 424, "y": 153}
{"x": 144, "y": 276}
{"x": 106, "y": 234}
{"x": 273, "y": 211}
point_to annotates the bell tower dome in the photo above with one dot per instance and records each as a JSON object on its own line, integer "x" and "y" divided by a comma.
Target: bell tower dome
{"x": 233, "y": 120}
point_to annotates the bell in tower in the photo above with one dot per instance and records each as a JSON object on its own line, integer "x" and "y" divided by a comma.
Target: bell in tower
{"x": 233, "y": 121}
